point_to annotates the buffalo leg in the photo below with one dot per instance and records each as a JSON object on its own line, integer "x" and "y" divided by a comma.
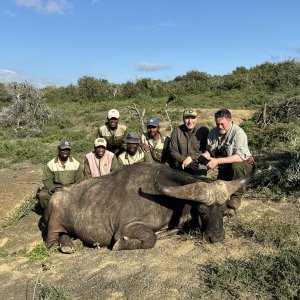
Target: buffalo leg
{"x": 52, "y": 239}
{"x": 136, "y": 237}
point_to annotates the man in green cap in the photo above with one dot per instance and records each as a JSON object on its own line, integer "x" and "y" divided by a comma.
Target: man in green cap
{"x": 188, "y": 142}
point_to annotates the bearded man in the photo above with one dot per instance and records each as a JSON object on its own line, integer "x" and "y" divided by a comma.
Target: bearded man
{"x": 227, "y": 149}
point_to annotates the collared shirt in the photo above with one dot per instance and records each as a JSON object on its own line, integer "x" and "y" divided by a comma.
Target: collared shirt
{"x": 234, "y": 143}
{"x": 159, "y": 149}
{"x": 114, "y": 138}
{"x": 126, "y": 159}
{"x": 56, "y": 174}
{"x": 95, "y": 166}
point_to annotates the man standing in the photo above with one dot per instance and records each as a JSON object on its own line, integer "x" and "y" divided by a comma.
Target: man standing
{"x": 227, "y": 149}
{"x": 113, "y": 132}
{"x": 133, "y": 153}
{"x": 60, "y": 171}
{"x": 188, "y": 141}
{"x": 100, "y": 161}
{"x": 155, "y": 142}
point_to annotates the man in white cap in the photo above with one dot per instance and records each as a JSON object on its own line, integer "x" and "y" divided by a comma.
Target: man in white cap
{"x": 113, "y": 132}
{"x": 155, "y": 142}
{"x": 100, "y": 161}
{"x": 133, "y": 153}
{"x": 60, "y": 171}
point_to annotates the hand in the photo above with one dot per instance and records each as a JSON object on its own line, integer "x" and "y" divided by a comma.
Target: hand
{"x": 206, "y": 154}
{"x": 212, "y": 163}
{"x": 186, "y": 162}
{"x": 145, "y": 147}
{"x": 54, "y": 189}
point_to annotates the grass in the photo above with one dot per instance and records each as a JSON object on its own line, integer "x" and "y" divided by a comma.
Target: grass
{"x": 259, "y": 277}
{"x": 53, "y": 293}
{"x": 38, "y": 253}
{"x": 21, "y": 212}
{"x": 277, "y": 229}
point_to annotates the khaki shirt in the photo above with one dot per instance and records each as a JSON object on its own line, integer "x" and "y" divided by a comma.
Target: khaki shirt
{"x": 125, "y": 159}
{"x": 159, "y": 149}
{"x": 114, "y": 138}
{"x": 235, "y": 142}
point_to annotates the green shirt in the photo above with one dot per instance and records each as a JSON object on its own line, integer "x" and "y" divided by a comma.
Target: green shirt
{"x": 57, "y": 175}
{"x": 159, "y": 149}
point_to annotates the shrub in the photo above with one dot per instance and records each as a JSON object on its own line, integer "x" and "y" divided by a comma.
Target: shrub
{"x": 27, "y": 112}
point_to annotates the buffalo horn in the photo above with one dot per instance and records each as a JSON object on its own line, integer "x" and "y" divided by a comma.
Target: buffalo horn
{"x": 215, "y": 192}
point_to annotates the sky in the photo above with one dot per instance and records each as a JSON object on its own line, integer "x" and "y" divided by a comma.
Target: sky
{"x": 57, "y": 42}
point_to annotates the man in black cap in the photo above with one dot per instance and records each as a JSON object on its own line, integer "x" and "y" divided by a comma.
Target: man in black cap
{"x": 133, "y": 153}
{"x": 155, "y": 142}
{"x": 61, "y": 170}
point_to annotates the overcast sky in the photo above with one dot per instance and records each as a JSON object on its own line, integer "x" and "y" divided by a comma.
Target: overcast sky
{"x": 56, "y": 42}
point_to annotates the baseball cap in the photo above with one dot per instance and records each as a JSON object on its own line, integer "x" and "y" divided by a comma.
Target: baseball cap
{"x": 132, "y": 138}
{"x": 113, "y": 113}
{"x": 64, "y": 145}
{"x": 190, "y": 112}
{"x": 100, "y": 142}
{"x": 153, "y": 122}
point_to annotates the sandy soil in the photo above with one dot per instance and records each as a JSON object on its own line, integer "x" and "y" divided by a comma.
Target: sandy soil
{"x": 170, "y": 270}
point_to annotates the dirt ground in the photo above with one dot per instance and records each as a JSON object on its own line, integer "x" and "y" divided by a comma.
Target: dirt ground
{"x": 170, "y": 270}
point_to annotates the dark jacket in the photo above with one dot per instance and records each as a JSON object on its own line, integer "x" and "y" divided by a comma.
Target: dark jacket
{"x": 184, "y": 143}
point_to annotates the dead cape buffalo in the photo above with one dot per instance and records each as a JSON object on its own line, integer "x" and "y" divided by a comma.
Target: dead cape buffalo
{"x": 126, "y": 209}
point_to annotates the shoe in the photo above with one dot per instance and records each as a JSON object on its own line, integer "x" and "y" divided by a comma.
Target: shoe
{"x": 234, "y": 202}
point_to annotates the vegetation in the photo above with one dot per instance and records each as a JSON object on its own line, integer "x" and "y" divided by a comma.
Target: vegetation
{"x": 32, "y": 122}
{"x": 54, "y": 293}
{"x": 21, "y": 212}
{"x": 260, "y": 276}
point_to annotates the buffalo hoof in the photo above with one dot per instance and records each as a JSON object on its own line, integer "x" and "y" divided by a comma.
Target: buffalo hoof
{"x": 120, "y": 244}
{"x": 65, "y": 244}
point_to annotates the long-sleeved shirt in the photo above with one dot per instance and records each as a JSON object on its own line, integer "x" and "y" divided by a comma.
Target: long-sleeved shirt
{"x": 57, "y": 175}
{"x": 186, "y": 143}
{"x": 235, "y": 142}
{"x": 159, "y": 149}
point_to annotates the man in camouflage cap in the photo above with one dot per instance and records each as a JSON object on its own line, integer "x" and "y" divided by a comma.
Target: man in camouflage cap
{"x": 188, "y": 142}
